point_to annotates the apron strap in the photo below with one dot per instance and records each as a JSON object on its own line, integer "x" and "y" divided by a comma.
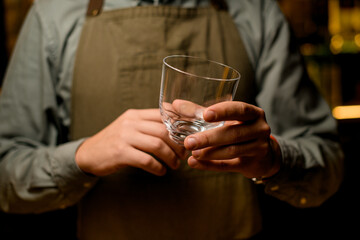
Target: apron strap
{"x": 95, "y": 6}
{"x": 220, "y": 4}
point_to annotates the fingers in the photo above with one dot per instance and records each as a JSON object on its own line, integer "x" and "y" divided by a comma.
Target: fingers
{"x": 150, "y": 136}
{"x": 157, "y": 148}
{"x": 249, "y": 149}
{"x": 232, "y": 110}
{"x": 241, "y": 145}
{"x": 151, "y": 124}
{"x": 140, "y": 159}
{"x": 159, "y": 131}
{"x": 144, "y": 114}
{"x": 246, "y": 123}
{"x": 187, "y": 109}
{"x": 230, "y": 165}
{"x": 137, "y": 138}
{"x": 252, "y": 159}
{"x": 227, "y": 135}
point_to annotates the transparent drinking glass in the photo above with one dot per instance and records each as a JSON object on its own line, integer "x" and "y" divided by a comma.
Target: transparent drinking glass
{"x": 188, "y": 86}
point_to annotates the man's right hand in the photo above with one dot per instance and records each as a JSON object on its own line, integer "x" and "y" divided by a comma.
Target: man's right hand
{"x": 137, "y": 138}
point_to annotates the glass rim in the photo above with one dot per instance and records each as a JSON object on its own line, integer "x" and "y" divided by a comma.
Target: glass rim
{"x": 198, "y": 76}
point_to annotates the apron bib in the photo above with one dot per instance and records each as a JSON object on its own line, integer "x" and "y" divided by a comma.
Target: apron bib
{"x": 118, "y": 67}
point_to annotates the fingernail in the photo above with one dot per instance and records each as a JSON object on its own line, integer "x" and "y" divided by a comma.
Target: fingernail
{"x": 192, "y": 162}
{"x": 191, "y": 143}
{"x": 210, "y": 116}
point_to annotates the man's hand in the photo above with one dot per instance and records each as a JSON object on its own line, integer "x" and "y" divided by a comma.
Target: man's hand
{"x": 137, "y": 138}
{"x": 241, "y": 145}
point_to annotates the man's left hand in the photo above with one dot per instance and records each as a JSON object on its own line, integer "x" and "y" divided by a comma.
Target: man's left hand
{"x": 242, "y": 145}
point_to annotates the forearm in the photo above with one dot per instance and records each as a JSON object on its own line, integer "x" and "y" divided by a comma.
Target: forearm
{"x": 311, "y": 172}
{"x": 40, "y": 179}
{"x": 301, "y": 121}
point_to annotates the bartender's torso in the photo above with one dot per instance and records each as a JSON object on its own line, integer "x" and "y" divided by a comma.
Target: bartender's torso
{"x": 118, "y": 67}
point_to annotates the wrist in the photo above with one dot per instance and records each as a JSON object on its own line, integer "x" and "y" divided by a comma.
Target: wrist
{"x": 276, "y": 162}
{"x": 276, "y": 157}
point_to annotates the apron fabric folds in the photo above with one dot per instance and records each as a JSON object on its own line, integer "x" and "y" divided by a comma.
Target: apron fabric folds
{"x": 118, "y": 67}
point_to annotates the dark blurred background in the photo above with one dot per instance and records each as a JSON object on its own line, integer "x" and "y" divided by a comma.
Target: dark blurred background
{"x": 328, "y": 34}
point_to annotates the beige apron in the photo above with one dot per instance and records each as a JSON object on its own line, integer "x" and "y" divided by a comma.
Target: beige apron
{"x": 118, "y": 66}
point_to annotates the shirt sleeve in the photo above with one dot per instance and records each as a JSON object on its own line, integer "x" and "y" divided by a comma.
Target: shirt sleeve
{"x": 299, "y": 118}
{"x": 36, "y": 173}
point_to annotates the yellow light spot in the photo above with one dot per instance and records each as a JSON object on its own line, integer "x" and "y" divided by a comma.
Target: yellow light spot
{"x": 357, "y": 39}
{"x": 336, "y": 43}
{"x": 346, "y": 112}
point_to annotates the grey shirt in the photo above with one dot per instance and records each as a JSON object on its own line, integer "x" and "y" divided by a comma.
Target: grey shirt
{"x": 37, "y": 173}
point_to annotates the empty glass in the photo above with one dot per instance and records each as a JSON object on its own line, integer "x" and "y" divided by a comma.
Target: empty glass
{"x": 188, "y": 86}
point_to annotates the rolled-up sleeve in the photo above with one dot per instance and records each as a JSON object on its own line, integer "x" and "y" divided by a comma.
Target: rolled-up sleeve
{"x": 299, "y": 117}
{"x": 36, "y": 174}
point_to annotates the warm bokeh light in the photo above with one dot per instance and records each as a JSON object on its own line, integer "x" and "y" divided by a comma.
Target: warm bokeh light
{"x": 337, "y": 42}
{"x": 346, "y": 112}
{"x": 357, "y": 39}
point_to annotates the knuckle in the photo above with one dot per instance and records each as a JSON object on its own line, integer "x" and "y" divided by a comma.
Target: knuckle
{"x": 229, "y": 112}
{"x": 206, "y": 139}
{"x": 237, "y": 134}
{"x": 119, "y": 149}
{"x": 130, "y": 112}
{"x": 247, "y": 109}
{"x": 126, "y": 123}
{"x": 163, "y": 132}
{"x": 157, "y": 144}
{"x": 266, "y": 130}
{"x": 261, "y": 112}
{"x": 147, "y": 161}
{"x": 202, "y": 139}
